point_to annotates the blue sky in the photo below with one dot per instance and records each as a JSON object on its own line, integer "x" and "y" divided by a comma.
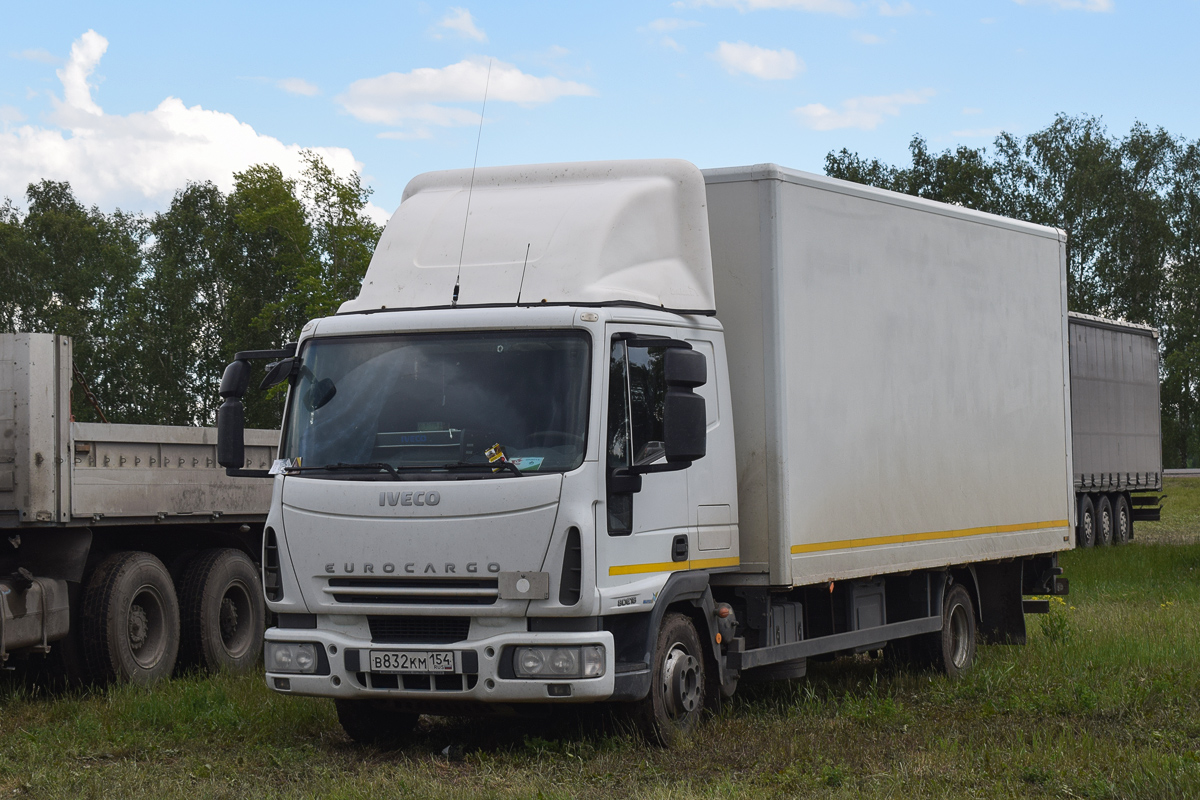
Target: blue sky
{"x": 129, "y": 101}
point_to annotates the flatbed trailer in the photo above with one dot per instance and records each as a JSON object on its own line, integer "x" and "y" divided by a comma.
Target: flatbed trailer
{"x": 125, "y": 548}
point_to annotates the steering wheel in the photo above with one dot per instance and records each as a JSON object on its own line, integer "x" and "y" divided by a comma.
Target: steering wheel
{"x": 544, "y": 437}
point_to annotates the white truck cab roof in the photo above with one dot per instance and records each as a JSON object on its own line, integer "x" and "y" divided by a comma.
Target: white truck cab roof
{"x": 593, "y": 233}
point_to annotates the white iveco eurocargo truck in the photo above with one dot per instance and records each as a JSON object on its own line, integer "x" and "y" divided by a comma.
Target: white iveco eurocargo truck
{"x": 629, "y": 432}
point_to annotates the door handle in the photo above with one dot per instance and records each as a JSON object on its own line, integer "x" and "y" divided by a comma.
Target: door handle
{"x": 679, "y": 548}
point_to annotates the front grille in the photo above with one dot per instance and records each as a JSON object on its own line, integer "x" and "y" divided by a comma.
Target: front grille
{"x": 418, "y": 630}
{"x": 415, "y": 591}
{"x": 425, "y": 683}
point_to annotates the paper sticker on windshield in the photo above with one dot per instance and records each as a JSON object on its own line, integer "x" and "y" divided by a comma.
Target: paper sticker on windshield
{"x": 283, "y": 464}
{"x": 528, "y": 463}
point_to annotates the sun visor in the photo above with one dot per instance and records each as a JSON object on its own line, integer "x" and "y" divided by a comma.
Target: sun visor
{"x": 583, "y": 234}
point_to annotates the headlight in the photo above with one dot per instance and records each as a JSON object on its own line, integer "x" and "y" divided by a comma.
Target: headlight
{"x": 284, "y": 657}
{"x": 559, "y": 662}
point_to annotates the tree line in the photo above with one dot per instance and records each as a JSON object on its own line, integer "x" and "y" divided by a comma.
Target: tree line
{"x": 1130, "y": 206}
{"x": 158, "y": 304}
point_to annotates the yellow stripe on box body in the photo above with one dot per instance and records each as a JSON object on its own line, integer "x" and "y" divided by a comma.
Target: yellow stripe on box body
{"x": 674, "y": 566}
{"x": 926, "y": 537}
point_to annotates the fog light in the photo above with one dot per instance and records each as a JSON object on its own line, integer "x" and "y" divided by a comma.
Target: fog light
{"x": 559, "y": 662}
{"x": 285, "y": 657}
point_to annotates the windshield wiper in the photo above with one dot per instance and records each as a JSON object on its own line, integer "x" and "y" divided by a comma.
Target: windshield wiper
{"x": 341, "y": 465}
{"x": 494, "y": 466}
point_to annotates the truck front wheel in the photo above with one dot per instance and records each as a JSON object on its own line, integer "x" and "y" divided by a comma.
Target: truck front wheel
{"x": 222, "y": 612}
{"x": 678, "y": 683}
{"x": 129, "y": 620}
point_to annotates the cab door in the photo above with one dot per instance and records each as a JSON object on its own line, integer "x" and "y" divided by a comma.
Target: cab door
{"x": 645, "y": 535}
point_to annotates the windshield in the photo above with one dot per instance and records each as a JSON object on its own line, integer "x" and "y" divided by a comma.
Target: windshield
{"x": 442, "y": 402}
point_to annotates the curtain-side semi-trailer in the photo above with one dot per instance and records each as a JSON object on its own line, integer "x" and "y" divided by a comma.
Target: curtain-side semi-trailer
{"x": 124, "y": 549}
{"x": 1116, "y": 431}
{"x": 629, "y": 432}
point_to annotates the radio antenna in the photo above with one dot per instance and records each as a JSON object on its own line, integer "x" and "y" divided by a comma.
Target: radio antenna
{"x": 471, "y": 187}
{"x": 521, "y": 288}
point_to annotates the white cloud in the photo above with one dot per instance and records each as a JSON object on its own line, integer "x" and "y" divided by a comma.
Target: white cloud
{"x": 86, "y": 52}
{"x": 298, "y": 86}
{"x": 866, "y": 38}
{"x": 843, "y": 8}
{"x": 40, "y": 56}
{"x": 1071, "y": 5}
{"x": 143, "y": 156}
{"x": 972, "y": 110}
{"x": 460, "y": 21}
{"x": 420, "y": 95}
{"x": 864, "y": 113}
{"x": 769, "y": 65}
{"x": 671, "y": 44}
{"x": 902, "y": 9}
{"x": 11, "y": 114}
{"x": 672, "y": 24}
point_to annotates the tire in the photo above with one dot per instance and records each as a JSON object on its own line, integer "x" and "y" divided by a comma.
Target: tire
{"x": 1085, "y": 528}
{"x": 372, "y": 722}
{"x": 222, "y": 612}
{"x": 678, "y": 684}
{"x": 1122, "y": 519}
{"x": 954, "y": 653}
{"x": 129, "y": 620}
{"x": 1104, "y": 522}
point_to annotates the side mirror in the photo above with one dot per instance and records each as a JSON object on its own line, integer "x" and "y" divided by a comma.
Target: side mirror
{"x": 685, "y": 418}
{"x": 231, "y": 416}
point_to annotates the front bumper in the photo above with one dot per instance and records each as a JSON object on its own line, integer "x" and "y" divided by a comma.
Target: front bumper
{"x": 345, "y": 658}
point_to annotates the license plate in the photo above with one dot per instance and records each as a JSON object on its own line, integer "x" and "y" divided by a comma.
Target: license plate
{"x": 427, "y": 661}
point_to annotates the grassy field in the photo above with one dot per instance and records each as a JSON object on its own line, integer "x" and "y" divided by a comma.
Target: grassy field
{"x": 1104, "y": 702}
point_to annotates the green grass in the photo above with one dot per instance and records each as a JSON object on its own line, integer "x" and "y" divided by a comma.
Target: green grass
{"x": 1104, "y": 702}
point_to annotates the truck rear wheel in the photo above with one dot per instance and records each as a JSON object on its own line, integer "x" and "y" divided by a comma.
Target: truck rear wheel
{"x": 678, "y": 683}
{"x": 1122, "y": 520}
{"x": 222, "y": 612}
{"x": 955, "y": 650}
{"x": 129, "y": 620}
{"x": 1085, "y": 528}
{"x": 1104, "y": 522}
{"x": 373, "y": 722}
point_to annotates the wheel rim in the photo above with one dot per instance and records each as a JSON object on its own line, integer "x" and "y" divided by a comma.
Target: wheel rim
{"x": 960, "y": 636}
{"x": 1123, "y": 525}
{"x": 1089, "y": 529}
{"x": 1106, "y": 528}
{"x": 146, "y": 628}
{"x": 680, "y": 682}
{"x": 234, "y": 619}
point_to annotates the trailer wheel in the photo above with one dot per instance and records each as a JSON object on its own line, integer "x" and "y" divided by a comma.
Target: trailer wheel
{"x": 1104, "y": 522}
{"x": 129, "y": 620}
{"x": 222, "y": 612}
{"x": 678, "y": 683}
{"x": 1085, "y": 528}
{"x": 956, "y": 643}
{"x": 1122, "y": 520}
{"x": 373, "y": 722}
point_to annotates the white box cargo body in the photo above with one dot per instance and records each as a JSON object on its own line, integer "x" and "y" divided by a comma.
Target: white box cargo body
{"x": 899, "y": 377}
